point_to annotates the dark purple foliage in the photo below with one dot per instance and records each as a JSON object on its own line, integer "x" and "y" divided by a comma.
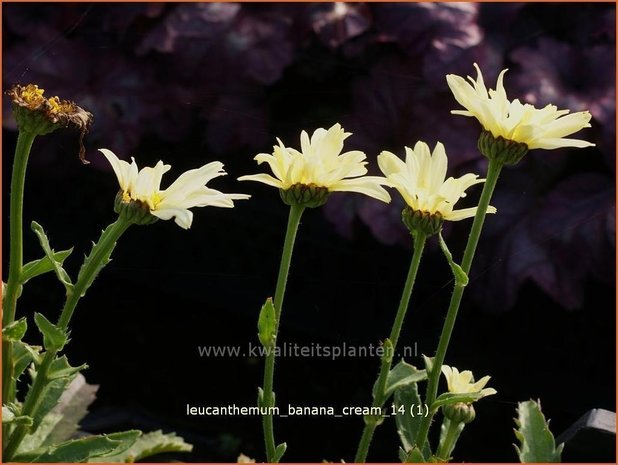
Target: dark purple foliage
{"x": 232, "y": 76}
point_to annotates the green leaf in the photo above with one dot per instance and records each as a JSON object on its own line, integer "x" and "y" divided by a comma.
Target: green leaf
{"x": 445, "y": 450}
{"x": 61, "y": 423}
{"x": 414, "y": 455}
{"x": 83, "y": 449}
{"x": 279, "y": 451}
{"x": 15, "y": 331}
{"x": 451, "y": 398}
{"x": 402, "y": 374}
{"x": 103, "y": 260}
{"x": 60, "y": 368}
{"x": 407, "y": 424}
{"x": 537, "y": 443}
{"x": 266, "y": 324}
{"x": 62, "y": 275}
{"x": 461, "y": 278}
{"x": 147, "y": 445}
{"x": 62, "y": 374}
{"x": 23, "y": 355}
{"x": 8, "y": 417}
{"x": 43, "y": 265}
{"x": 54, "y": 338}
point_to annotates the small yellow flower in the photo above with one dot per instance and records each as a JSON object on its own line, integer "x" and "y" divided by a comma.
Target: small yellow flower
{"x": 141, "y": 188}
{"x": 421, "y": 182}
{"x": 463, "y": 383}
{"x": 319, "y": 168}
{"x": 544, "y": 128}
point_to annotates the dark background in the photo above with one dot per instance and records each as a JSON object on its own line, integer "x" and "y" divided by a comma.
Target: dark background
{"x": 191, "y": 83}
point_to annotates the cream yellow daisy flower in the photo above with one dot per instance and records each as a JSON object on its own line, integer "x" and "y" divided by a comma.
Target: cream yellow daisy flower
{"x": 142, "y": 187}
{"x": 463, "y": 383}
{"x": 319, "y": 168}
{"x": 544, "y": 128}
{"x": 420, "y": 180}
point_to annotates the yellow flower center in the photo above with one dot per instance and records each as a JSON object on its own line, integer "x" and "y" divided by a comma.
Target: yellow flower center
{"x": 32, "y": 95}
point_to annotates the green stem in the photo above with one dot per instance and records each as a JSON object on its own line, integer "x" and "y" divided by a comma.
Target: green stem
{"x": 269, "y": 367}
{"x": 379, "y": 397}
{"x": 92, "y": 266}
{"x": 493, "y": 172}
{"x": 16, "y": 256}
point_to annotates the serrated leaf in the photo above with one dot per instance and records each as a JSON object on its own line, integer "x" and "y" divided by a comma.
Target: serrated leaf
{"x": 407, "y": 424}
{"x": 61, "y": 423}
{"x": 449, "y": 398}
{"x": 43, "y": 265}
{"x": 266, "y": 324}
{"x": 60, "y": 368}
{"x": 102, "y": 261}
{"x": 537, "y": 443}
{"x": 15, "y": 331}
{"x": 54, "y": 338}
{"x": 53, "y": 390}
{"x": 62, "y": 275}
{"x": 461, "y": 278}
{"x": 147, "y": 445}
{"x": 23, "y": 355}
{"x": 401, "y": 375}
{"x": 279, "y": 451}
{"x": 83, "y": 449}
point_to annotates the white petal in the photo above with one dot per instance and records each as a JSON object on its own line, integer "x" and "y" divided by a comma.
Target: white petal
{"x": 263, "y": 178}
{"x": 368, "y": 185}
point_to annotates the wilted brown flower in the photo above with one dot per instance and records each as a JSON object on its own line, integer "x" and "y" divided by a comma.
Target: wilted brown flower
{"x": 40, "y": 115}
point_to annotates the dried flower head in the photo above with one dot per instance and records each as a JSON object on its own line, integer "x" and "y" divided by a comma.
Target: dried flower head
{"x": 40, "y": 115}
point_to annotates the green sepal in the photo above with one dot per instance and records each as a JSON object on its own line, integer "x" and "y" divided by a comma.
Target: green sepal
{"x": 501, "y": 150}
{"x": 537, "y": 443}
{"x": 43, "y": 265}
{"x": 279, "y": 451}
{"x": 62, "y": 275}
{"x": 15, "y": 331}
{"x": 304, "y": 195}
{"x": 449, "y": 398}
{"x": 149, "y": 444}
{"x": 266, "y": 324}
{"x": 401, "y": 375}
{"x": 408, "y": 424}
{"x": 461, "y": 278}
{"x": 82, "y": 450}
{"x": 54, "y": 338}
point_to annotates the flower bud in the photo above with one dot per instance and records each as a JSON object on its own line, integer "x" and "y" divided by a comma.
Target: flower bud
{"x": 503, "y": 150}
{"x": 424, "y": 222}
{"x": 134, "y": 211}
{"x": 459, "y": 412}
{"x": 305, "y": 195}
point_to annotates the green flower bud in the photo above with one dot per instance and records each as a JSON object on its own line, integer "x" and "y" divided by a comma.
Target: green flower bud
{"x": 134, "y": 211}
{"x": 459, "y": 412}
{"x": 305, "y": 195}
{"x": 503, "y": 150}
{"x": 425, "y": 222}
{"x": 39, "y": 115}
